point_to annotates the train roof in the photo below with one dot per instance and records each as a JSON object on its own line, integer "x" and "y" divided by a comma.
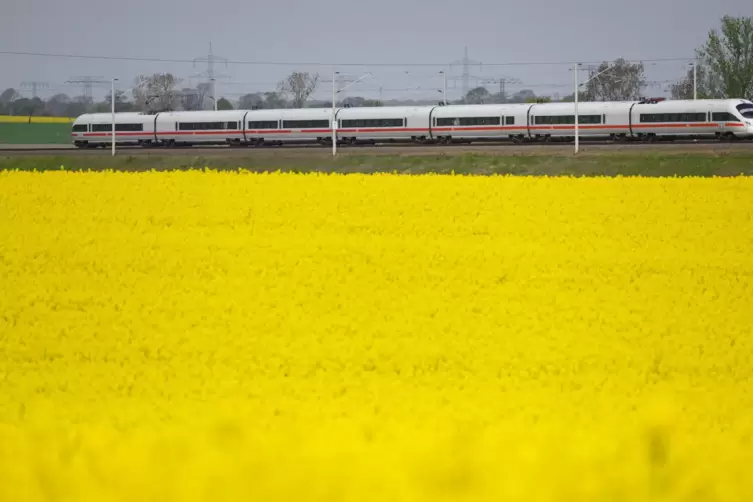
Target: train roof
{"x": 584, "y": 107}
{"x": 106, "y": 118}
{"x": 382, "y": 111}
{"x": 289, "y": 113}
{"x": 480, "y": 110}
{"x": 203, "y": 115}
{"x": 108, "y": 115}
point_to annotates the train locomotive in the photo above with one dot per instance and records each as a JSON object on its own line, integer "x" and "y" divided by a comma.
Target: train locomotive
{"x": 641, "y": 120}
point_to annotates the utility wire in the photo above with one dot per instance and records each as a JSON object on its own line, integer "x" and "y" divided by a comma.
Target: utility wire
{"x": 310, "y": 63}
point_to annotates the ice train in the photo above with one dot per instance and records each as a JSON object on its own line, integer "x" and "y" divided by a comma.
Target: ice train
{"x": 643, "y": 120}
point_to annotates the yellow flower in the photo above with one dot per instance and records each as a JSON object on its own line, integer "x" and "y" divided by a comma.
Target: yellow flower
{"x": 208, "y": 336}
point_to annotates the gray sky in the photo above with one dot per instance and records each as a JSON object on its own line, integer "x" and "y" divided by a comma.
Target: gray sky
{"x": 333, "y": 31}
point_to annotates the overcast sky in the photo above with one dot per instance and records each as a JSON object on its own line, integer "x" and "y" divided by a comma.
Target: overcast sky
{"x": 334, "y": 31}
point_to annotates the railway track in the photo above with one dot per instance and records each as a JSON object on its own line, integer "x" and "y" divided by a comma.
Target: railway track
{"x": 387, "y": 148}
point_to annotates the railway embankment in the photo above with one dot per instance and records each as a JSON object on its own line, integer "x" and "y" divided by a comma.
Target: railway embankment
{"x": 635, "y": 162}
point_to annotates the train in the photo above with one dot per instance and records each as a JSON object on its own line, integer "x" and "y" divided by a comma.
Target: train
{"x": 640, "y": 120}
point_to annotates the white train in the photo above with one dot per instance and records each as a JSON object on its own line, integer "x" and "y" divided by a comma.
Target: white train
{"x": 644, "y": 120}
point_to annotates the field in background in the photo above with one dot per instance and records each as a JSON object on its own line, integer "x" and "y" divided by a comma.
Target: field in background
{"x": 35, "y": 133}
{"x": 176, "y": 336}
{"x": 17, "y": 119}
{"x": 25, "y": 130}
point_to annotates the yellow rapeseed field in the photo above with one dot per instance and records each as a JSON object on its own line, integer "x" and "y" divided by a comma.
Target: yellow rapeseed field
{"x": 203, "y": 336}
{"x": 25, "y": 119}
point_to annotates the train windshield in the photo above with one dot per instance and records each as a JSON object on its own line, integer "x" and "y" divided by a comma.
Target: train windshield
{"x": 746, "y": 110}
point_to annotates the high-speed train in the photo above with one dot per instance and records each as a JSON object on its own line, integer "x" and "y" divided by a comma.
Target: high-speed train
{"x": 644, "y": 120}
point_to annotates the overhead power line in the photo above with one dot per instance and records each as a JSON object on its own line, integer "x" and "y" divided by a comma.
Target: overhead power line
{"x": 330, "y": 64}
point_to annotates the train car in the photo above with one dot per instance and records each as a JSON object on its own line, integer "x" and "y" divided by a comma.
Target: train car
{"x": 300, "y": 125}
{"x": 95, "y": 129}
{"x": 200, "y": 128}
{"x": 264, "y": 127}
{"x": 712, "y": 118}
{"x": 472, "y": 122}
{"x": 596, "y": 120}
{"x": 384, "y": 123}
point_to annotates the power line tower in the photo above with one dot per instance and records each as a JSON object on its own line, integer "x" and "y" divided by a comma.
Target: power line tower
{"x": 34, "y": 86}
{"x": 86, "y": 84}
{"x": 466, "y": 63}
{"x": 502, "y": 81}
{"x": 210, "y": 73}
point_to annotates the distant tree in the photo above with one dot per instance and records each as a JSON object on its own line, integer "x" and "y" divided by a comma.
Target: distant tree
{"x": 299, "y": 85}
{"x": 194, "y": 99}
{"x": 7, "y": 97}
{"x": 224, "y": 104}
{"x": 623, "y": 81}
{"x": 189, "y": 100}
{"x": 571, "y": 97}
{"x": 26, "y": 106}
{"x": 157, "y": 92}
{"x": 728, "y": 57}
{"x": 354, "y": 101}
{"x": 251, "y": 101}
{"x": 76, "y": 107}
{"x": 684, "y": 88}
{"x": 121, "y": 103}
{"x": 542, "y": 99}
{"x": 274, "y": 100}
{"x": 57, "y": 105}
{"x": 477, "y": 96}
{"x": 320, "y": 104}
{"x": 523, "y": 96}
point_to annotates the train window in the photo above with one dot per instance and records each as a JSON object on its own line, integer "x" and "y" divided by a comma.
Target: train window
{"x": 118, "y": 127}
{"x": 509, "y": 120}
{"x": 589, "y": 119}
{"x": 232, "y": 125}
{"x": 673, "y": 117}
{"x": 263, "y": 124}
{"x": 373, "y": 123}
{"x": 568, "y": 119}
{"x": 446, "y": 121}
{"x": 129, "y": 127}
{"x": 79, "y": 128}
{"x": 469, "y": 121}
{"x": 306, "y": 124}
{"x": 201, "y": 126}
{"x": 723, "y": 117}
{"x": 745, "y": 110}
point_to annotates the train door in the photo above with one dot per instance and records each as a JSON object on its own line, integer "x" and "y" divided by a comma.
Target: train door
{"x": 718, "y": 123}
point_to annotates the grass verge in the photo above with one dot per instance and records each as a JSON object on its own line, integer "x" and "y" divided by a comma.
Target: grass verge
{"x": 617, "y": 164}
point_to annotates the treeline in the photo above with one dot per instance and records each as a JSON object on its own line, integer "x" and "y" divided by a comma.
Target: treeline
{"x": 723, "y": 69}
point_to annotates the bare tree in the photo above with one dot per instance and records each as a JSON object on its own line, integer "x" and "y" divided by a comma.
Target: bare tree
{"x": 299, "y": 85}
{"x": 624, "y": 81}
{"x": 156, "y": 92}
{"x": 684, "y": 88}
{"x": 728, "y": 56}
